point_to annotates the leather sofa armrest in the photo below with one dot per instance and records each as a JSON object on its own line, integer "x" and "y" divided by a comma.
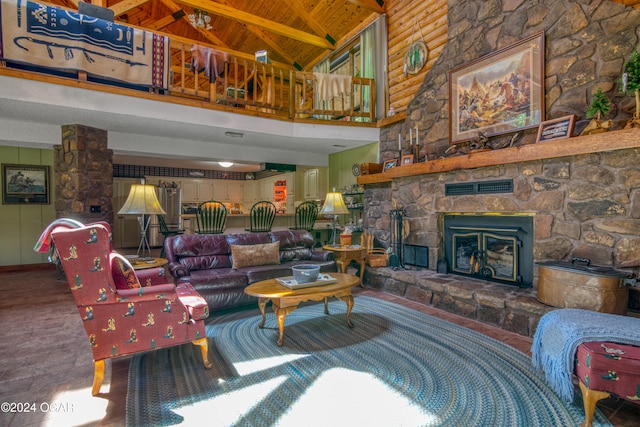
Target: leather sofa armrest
{"x": 177, "y": 270}
{"x": 322, "y": 256}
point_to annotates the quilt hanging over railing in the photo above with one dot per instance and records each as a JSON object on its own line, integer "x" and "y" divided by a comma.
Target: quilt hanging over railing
{"x": 48, "y": 36}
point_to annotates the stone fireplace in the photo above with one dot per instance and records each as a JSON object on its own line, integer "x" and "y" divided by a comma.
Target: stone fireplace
{"x": 492, "y": 246}
{"x": 582, "y": 194}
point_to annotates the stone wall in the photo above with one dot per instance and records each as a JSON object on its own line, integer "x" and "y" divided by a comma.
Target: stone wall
{"x": 586, "y": 205}
{"x": 587, "y": 44}
{"x": 83, "y": 168}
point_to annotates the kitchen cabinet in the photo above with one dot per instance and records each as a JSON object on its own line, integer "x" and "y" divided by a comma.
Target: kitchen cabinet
{"x": 197, "y": 190}
{"x": 315, "y": 184}
{"x": 228, "y": 191}
{"x": 251, "y": 193}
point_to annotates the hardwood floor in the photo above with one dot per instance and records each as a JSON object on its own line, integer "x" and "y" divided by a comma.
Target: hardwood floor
{"x": 46, "y": 369}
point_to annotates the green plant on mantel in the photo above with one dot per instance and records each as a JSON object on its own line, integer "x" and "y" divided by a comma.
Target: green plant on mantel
{"x": 599, "y": 107}
{"x": 631, "y": 82}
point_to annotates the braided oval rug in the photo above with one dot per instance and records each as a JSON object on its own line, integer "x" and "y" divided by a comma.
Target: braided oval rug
{"x": 397, "y": 367}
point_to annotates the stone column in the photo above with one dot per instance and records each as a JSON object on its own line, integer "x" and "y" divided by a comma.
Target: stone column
{"x": 83, "y": 167}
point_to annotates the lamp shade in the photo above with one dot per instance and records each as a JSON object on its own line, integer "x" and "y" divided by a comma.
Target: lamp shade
{"x": 142, "y": 200}
{"x": 334, "y": 205}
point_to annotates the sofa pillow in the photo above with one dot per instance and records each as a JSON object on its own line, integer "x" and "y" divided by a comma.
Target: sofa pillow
{"x": 250, "y": 255}
{"x": 124, "y": 277}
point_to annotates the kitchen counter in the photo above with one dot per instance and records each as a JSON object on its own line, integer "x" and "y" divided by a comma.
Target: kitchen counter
{"x": 237, "y": 223}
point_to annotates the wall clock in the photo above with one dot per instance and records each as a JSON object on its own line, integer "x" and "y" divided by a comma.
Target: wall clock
{"x": 355, "y": 169}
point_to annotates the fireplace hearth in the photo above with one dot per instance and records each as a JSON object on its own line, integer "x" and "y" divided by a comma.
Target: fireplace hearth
{"x": 490, "y": 246}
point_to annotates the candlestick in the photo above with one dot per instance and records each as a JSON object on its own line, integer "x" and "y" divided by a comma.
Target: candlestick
{"x": 399, "y": 142}
{"x": 417, "y": 145}
{"x": 410, "y": 137}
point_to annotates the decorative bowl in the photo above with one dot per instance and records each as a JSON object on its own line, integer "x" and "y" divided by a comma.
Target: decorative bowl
{"x": 305, "y": 273}
{"x": 132, "y": 258}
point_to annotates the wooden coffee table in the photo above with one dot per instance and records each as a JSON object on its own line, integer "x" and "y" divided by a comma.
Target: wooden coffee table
{"x": 285, "y": 300}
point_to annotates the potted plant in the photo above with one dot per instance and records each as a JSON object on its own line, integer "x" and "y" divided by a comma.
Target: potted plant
{"x": 631, "y": 82}
{"x": 599, "y": 107}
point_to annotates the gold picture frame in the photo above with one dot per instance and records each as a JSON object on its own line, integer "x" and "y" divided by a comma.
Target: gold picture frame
{"x": 499, "y": 93}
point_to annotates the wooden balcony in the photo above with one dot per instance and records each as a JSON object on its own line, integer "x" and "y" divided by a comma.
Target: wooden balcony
{"x": 229, "y": 83}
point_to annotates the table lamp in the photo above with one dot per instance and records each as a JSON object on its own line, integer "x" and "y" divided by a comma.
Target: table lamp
{"x": 334, "y": 205}
{"x": 142, "y": 200}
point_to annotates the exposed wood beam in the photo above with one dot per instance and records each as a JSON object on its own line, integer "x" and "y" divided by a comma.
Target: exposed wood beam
{"x": 247, "y": 18}
{"x": 299, "y": 10}
{"x": 167, "y": 20}
{"x": 273, "y": 45}
{"x": 373, "y": 5}
{"x": 125, "y": 6}
{"x": 262, "y": 35}
{"x": 208, "y": 35}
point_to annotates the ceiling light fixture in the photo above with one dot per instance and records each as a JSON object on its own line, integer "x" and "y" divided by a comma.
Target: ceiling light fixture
{"x": 225, "y": 164}
{"x": 200, "y": 19}
{"x": 234, "y": 134}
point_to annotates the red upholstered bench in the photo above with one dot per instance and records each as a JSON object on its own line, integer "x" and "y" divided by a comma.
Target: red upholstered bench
{"x": 606, "y": 368}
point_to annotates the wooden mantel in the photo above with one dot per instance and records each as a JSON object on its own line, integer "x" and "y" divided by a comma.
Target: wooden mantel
{"x": 607, "y": 141}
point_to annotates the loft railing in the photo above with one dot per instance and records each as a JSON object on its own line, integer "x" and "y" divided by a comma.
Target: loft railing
{"x": 241, "y": 85}
{"x": 226, "y": 80}
{"x": 212, "y": 78}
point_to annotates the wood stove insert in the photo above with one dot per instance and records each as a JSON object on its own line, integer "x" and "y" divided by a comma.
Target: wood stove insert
{"x": 490, "y": 246}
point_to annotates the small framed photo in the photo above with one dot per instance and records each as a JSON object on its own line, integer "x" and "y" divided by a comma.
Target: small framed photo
{"x": 559, "y": 128}
{"x": 389, "y": 164}
{"x": 407, "y": 159}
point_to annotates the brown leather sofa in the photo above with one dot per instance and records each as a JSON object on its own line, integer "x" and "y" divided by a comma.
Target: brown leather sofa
{"x": 220, "y": 266}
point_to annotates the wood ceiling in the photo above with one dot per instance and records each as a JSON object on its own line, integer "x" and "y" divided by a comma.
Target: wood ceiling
{"x": 296, "y": 33}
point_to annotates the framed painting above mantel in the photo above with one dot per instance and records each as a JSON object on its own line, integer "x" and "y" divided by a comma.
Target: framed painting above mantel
{"x": 25, "y": 184}
{"x": 498, "y": 93}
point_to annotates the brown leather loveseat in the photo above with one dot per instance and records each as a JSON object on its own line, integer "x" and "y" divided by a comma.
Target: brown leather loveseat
{"x": 220, "y": 266}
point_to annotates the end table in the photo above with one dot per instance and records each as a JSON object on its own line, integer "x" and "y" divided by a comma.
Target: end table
{"x": 346, "y": 254}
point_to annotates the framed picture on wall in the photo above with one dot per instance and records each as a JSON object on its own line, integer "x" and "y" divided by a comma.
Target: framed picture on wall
{"x": 25, "y": 184}
{"x": 499, "y": 93}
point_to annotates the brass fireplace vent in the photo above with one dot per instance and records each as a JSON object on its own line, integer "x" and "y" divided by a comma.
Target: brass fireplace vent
{"x": 480, "y": 187}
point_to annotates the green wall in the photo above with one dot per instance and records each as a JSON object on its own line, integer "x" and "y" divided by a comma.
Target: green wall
{"x": 340, "y": 164}
{"x": 21, "y": 225}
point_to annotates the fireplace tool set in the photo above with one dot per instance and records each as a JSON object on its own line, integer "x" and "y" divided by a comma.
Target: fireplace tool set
{"x": 396, "y": 234}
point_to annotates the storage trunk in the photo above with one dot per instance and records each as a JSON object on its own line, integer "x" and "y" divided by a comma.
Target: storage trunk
{"x": 370, "y": 168}
{"x": 573, "y": 285}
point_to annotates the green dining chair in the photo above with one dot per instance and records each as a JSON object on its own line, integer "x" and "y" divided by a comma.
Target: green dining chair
{"x": 211, "y": 217}
{"x": 164, "y": 230}
{"x": 305, "y": 216}
{"x": 261, "y": 216}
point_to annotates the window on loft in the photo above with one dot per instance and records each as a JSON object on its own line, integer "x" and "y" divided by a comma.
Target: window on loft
{"x": 363, "y": 56}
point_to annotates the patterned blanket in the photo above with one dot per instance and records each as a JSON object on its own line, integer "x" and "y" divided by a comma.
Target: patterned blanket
{"x": 559, "y": 334}
{"x": 48, "y": 36}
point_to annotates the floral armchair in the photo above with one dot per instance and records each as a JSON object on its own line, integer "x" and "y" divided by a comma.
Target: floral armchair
{"x": 119, "y": 315}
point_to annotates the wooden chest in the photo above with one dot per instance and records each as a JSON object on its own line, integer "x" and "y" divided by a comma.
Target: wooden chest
{"x": 370, "y": 168}
{"x": 576, "y": 285}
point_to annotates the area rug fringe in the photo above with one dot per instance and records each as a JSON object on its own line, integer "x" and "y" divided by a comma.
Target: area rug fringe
{"x": 397, "y": 367}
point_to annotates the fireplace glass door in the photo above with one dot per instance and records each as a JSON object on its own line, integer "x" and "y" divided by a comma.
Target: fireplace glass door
{"x": 486, "y": 255}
